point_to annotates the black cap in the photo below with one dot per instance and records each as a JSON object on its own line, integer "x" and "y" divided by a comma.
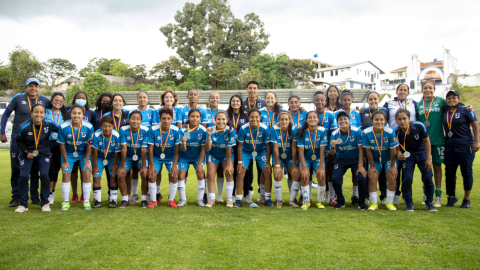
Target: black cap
{"x": 452, "y": 92}
{"x": 341, "y": 113}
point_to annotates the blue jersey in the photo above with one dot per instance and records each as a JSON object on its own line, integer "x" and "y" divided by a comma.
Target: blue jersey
{"x": 21, "y": 104}
{"x": 277, "y": 135}
{"x": 269, "y": 118}
{"x": 211, "y": 117}
{"x": 177, "y": 115}
{"x": 120, "y": 120}
{"x": 26, "y": 136}
{"x": 367, "y": 116}
{"x": 185, "y": 109}
{"x": 194, "y": 143}
{"x": 88, "y": 115}
{"x": 220, "y": 142}
{"x": 148, "y": 116}
{"x": 134, "y": 148}
{"x": 327, "y": 120}
{"x": 259, "y": 103}
{"x": 261, "y": 135}
{"x": 101, "y": 143}
{"x": 351, "y": 145}
{"x": 414, "y": 141}
{"x": 82, "y": 136}
{"x": 462, "y": 135}
{"x": 169, "y": 138}
{"x": 299, "y": 118}
{"x": 355, "y": 118}
{"x": 389, "y": 141}
{"x": 321, "y": 140}
{"x": 57, "y": 119}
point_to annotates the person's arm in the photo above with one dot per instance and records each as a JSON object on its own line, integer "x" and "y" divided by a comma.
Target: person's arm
{"x": 393, "y": 159}
{"x": 208, "y": 143}
{"x": 87, "y": 157}
{"x": 152, "y": 172}
{"x": 240, "y": 167}
{"x": 476, "y": 145}
{"x": 304, "y": 172}
{"x": 428, "y": 149}
{"x": 200, "y": 170}
{"x": 174, "y": 169}
{"x": 95, "y": 161}
{"x": 5, "y": 116}
{"x": 184, "y": 143}
{"x": 268, "y": 167}
{"x": 361, "y": 169}
{"x": 63, "y": 151}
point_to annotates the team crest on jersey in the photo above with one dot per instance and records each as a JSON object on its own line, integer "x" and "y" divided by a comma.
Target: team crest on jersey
{"x": 199, "y": 136}
{"x": 352, "y": 138}
{"x": 13, "y": 155}
{"x": 171, "y": 137}
{"x": 22, "y": 162}
{"x": 435, "y": 103}
{"x": 307, "y": 139}
{"x": 149, "y": 116}
{"x": 30, "y": 133}
{"x": 353, "y": 116}
{"x": 385, "y": 139}
{"x": 248, "y": 134}
{"x": 69, "y": 136}
{"x": 182, "y": 165}
{"x": 84, "y": 134}
{"x": 457, "y": 115}
{"x": 157, "y": 144}
{"x": 214, "y": 139}
{"x": 336, "y": 166}
{"x": 45, "y": 129}
{"x": 100, "y": 143}
{"x": 264, "y": 158}
{"x": 301, "y": 117}
{"x": 85, "y": 118}
{"x": 417, "y": 137}
{"x": 260, "y": 135}
{"x": 233, "y": 139}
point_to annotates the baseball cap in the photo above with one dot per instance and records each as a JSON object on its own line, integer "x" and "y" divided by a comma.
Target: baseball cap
{"x": 32, "y": 80}
{"x": 341, "y": 113}
{"x": 452, "y": 92}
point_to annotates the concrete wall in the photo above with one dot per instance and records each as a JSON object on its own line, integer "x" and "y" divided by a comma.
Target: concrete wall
{"x": 469, "y": 80}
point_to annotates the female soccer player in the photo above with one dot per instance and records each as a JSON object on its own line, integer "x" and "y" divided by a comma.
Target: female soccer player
{"x": 219, "y": 143}
{"x": 149, "y": 117}
{"x": 193, "y": 96}
{"x": 380, "y": 143}
{"x": 192, "y": 152}
{"x": 460, "y": 147}
{"x": 106, "y": 149}
{"x": 163, "y": 149}
{"x": 253, "y": 146}
{"x": 414, "y": 148}
{"x": 75, "y": 138}
{"x": 57, "y": 113}
{"x": 32, "y": 139}
{"x": 134, "y": 138}
{"x": 284, "y": 141}
{"x": 346, "y": 145}
{"x": 102, "y": 106}
{"x": 312, "y": 140}
{"x": 333, "y": 101}
{"x": 169, "y": 99}
{"x": 120, "y": 116}
{"x": 298, "y": 117}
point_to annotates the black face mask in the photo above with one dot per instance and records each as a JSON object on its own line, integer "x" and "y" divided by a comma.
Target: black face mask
{"x": 105, "y": 106}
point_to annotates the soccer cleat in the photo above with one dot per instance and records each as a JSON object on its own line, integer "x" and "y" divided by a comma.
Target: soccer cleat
{"x": 384, "y": 201}
{"x": 260, "y": 200}
{"x": 354, "y": 200}
{"x": 396, "y": 200}
{"x": 452, "y": 201}
{"x": 437, "y": 202}
{"x": 182, "y": 203}
{"x": 373, "y": 207}
{"x": 391, "y": 207}
{"x": 321, "y": 206}
{"x": 409, "y": 208}
{"x": 159, "y": 198}
{"x": 132, "y": 200}
{"x": 74, "y": 199}
{"x": 123, "y": 205}
{"x": 46, "y": 208}
{"x": 333, "y": 202}
{"x": 314, "y": 185}
{"x": 112, "y": 204}
{"x": 229, "y": 203}
{"x": 51, "y": 198}
{"x": 339, "y": 205}
{"x": 431, "y": 208}
{"x": 248, "y": 198}
{"x": 200, "y": 203}
{"x": 97, "y": 204}
{"x": 268, "y": 203}
{"x": 466, "y": 203}
{"x": 21, "y": 209}
{"x": 362, "y": 206}
{"x": 36, "y": 201}
{"x": 238, "y": 203}
{"x": 14, "y": 203}
{"x": 210, "y": 203}
{"x": 293, "y": 204}
{"x": 424, "y": 199}
{"x": 87, "y": 206}
{"x": 65, "y": 206}
{"x": 152, "y": 205}
{"x": 144, "y": 204}
{"x": 220, "y": 199}
{"x": 172, "y": 204}
{"x": 279, "y": 204}
{"x": 81, "y": 199}
{"x": 304, "y": 207}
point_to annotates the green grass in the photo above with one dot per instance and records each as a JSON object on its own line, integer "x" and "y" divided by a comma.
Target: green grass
{"x": 469, "y": 95}
{"x": 193, "y": 237}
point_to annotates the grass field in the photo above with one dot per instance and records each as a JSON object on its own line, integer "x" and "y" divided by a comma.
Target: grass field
{"x": 246, "y": 238}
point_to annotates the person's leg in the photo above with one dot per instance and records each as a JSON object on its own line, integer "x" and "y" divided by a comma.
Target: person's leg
{"x": 466, "y": 163}
{"x": 173, "y": 187}
{"x": 34, "y": 183}
{"x": 24, "y": 169}
{"x": 66, "y": 176}
{"x": 437, "y": 159}
{"x": 362, "y": 185}
{"x": 451, "y": 165}
{"x": 398, "y": 182}
{"x": 295, "y": 187}
{"x": 408, "y": 168}
{"x": 427, "y": 180}
{"x": 74, "y": 179}
{"x": 277, "y": 186}
{"x": 372, "y": 186}
{"x": 340, "y": 168}
{"x": 181, "y": 183}
{"x": 15, "y": 169}
{"x": 44, "y": 168}
{"x": 220, "y": 183}
{"x": 86, "y": 186}
{"x": 151, "y": 190}
{"x": 229, "y": 188}
{"x": 55, "y": 166}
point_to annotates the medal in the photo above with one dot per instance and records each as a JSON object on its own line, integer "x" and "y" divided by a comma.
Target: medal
{"x": 187, "y": 135}
{"x": 427, "y": 113}
{"x": 254, "y": 144}
{"x": 162, "y": 156}
{"x": 134, "y": 145}
{"x": 379, "y": 146}
{"x": 75, "y": 154}
{"x": 105, "y": 162}
{"x": 134, "y": 157}
{"x": 407, "y": 154}
{"x": 449, "y": 123}
{"x": 314, "y": 157}
{"x": 254, "y": 153}
{"x": 427, "y": 123}
{"x": 339, "y": 141}
{"x": 35, "y": 152}
{"x": 37, "y": 138}
{"x": 450, "y": 134}
{"x": 284, "y": 156}
{"x": 163, "y": 143}
{"x": 400, "y": 104}
{"x": 284, "y": 144}
{"x": 105, "y": 151}
{"x": 380, "y": 160}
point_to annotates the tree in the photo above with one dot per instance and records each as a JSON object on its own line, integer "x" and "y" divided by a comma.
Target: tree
{"x": 139, "y": 73}
{"x": 300, "y": 71}
{"x": 5, "y": 74}
{"x": 251, "y": 75}
{"x": 105, "y": 66}
{"x": 168, "y": 85}
{"x": 120, "y": 69}
{"x": 23, "y": 65}
{"x": 94, "y": 84}
{"x": 196, "y": 79}
{"x": 225, "y": 74}
{"x": 207, "y": 33}
{"x": 173, "y": 69}
{"x": 57, "y": 67}
{"x": 273, "y": 70}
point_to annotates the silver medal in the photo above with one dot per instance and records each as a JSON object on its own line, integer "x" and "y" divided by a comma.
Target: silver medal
{"x": 162, "y": 156}
{"x": 427, "y": 123}
{"x": 254, "y": 153}
{"x": 35, "y": 152}
{"x": 284, "y": 156}
{"x": 187, "y": 135}
{"x": 407, "y": 154}
{"x": 134, "y": 157}
{"x": 314, "y": 157}
{"x": 54, "y": 135}
{"x": 105, "y": 162}
{"x": 339, "y": 141}
{"x": 450, "y": 134}
{"x": 75, "y": 154}
{"x": 380, "y": 159}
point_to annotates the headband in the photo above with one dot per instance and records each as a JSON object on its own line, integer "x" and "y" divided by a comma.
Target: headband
{"x": 319, "y": 94}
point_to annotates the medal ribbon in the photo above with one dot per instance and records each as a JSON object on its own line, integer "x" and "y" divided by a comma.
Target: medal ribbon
{"x": 53, "y": 118}
{"x": 254, "y": 104}
{"x": 253, "y": 141}
{"x": 298, "y": 119}
{"x": 235, "y": 122}
{"x": 404, "y": 140}
{"x": 400, "y": 104}
{"x": 323, "y": 117}
{"x": 284, "y": 142}
{"x": 348, "y": 134}
{"x": 213, "y": 118}
{"x": 380, "y": 148}
{"x": 451, "y": 119}
{"x": 162, "y": 143}
{"x": 108, "y": 146}
{"x": 220, "y": 131}
{"x": 268, "y": 115}
{"x": 37, "y": 139}
{"x": 314, "y": 141}
{"x": 424, "y": 112}
{"x": 78, "y": 135}
{"x": 117, "y": 127}
{"x": 331, "y": 108}
{"x": 29, "y": 104}
{"x": 192, "y": 130}
{"x": 135, "y": 144}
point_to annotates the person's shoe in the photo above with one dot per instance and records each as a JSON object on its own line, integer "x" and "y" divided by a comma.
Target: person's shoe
{"x": 123, "y": 205}
{"x": 268, "y": 203}
{"x": 354, "y": 201}
{"x": 112, "y": 204}
{"x": 321, "y": 206}
{"x": 200, "y": 203}
{"x": 367, "y": 202}
{"x": 314, "y": 185}
{"x": 238, "y": 203}
{"x": 132, "y": 200}
{"x": 205, "y": 198}
{"x": 65, "y": 206}
{"x": 182, "y": 203}
{"x": 74, "y": 199}
{"x": 362, "y": 206}
{"x": 51, "y": 198}
{"x": 46, "y": 208}
{"x": 384, "y": 201}
{"x": 136, "y": 197}
{"x": 295, "y": 201}
{"x": 304, "y": 207}
{"x": 172, "y": 204}
{"x": 21, "y": 209}
{"x": 451, "y": 201}
{"x": 466, "y": 203}
{"x": 333, "y": 202}
{"x": 293, "y": 204}
{"x": 396, "y": 200}
{"x": 248, "y": 199}
{"x": 339, "y": 205}
{"x": 310, "y": 203}
{"x": 409, "y": 208}
{"x": 97, "y": 204}
{"x": 87, "y": 206}
{"x": 159, "y": 198}
{"x": 437, "y": 202}
{"x": 431, "y": 208}
{"x": 210, "y": 203}
{"x": 14, "y": 203}
{"x": 36, "y": 201}
{"x": 424, "y": 199}
{"x": 152, "y": 205}
{"x": 279, "y": 204}
{"x": 220, "y": 199}
{"x": 144, "y": 204}
{"x": 391, "y": 207}
{"x": 260, "y": 200}
{"x": 229, "y": 204}
{"x": 81, "y": 199}
{"x": 373, "y": 207}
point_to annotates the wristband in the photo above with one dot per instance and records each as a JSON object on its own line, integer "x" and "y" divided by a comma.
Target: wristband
{"x": 278, "y": 165}
{"x": 240, "y": 162}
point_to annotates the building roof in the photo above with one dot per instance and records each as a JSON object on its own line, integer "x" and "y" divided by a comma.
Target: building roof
{"x": 349, "y": 65}
{"x": 422, "y": 66}
{"x": 318, "y": 61}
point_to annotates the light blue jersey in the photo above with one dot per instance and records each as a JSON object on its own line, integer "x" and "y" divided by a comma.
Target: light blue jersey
{"x": 299, "y": 118}
{"x": 389, "y": 141}
{"x": 261, "y": 136}
{"x": 148, "y": 116}
{"x": 355, "y": 118}
{"x": 269, "y": 118}
{"x": 220, "y": 142}
{"x": 211, "y": 117}
{"x": 351, "y": 144}
{"x": 320, "y": 140}
{"x": 194, "y": 142}
{"x": 57, "y": 119}
{"x": 156, "y": 137}
{"x": 177, "y": 115}
{"x": 101, "y": 143}
{"x": 82, "y": 137}
{"x": 277, "y": 135}
{"x": 185, "y": 109}
{"x": 135, "y": 146}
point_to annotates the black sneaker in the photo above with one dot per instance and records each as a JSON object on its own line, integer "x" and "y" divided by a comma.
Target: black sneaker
{"x": 97, "y": 204}
{"x": 354, "y": 200}
{"x": 14, "y": 203}
{"x": 362, "y": 206}
{"x": 295, "y": 201}
{"x": 451, "y": 201}
{"x": 409, "y": 208}
{"x": 431, "y": 208}
{"x": 339, "y": 205}
{"x": 144, "y": 204}
{"x": 112, "y": 204}
{"x": 36, "y": 201}
{"x": 124, "y": 204}
{"x": 466, "y": 203}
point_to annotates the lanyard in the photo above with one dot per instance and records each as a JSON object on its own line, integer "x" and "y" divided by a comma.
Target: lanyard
{"x": 78, "y": 135}
{"x": 380, "y": 148}
{"x": 117, "y": 127}
{"x": 331, "y": 108}
{"x": 313, "y": 142}
{"x": 29, "y": 104}
{"x": 323, "y": 117}
{"x": 400, "y": 104}
{"x": 192, "y": 130}
{"x": 235, "y": 122}
{"x": 268, "y": 115}
{"x": 213, "y": 118}
{"x": 108, "y": 146}
{"x": 135, "y": 144}
{"x": 162, "y": 143}
{"x": 254, "y": 104}
{"x": 37, "y": 139}
{"x": 404, "y": 146}
{"x": 430, "y": 106}
{"x": 284, "y": 141}
{"x": 348, "y": 134}
{"x": 449, "y": 123}
{"x": 298, "y": 119}
{"x": 53, "y": 118}
{"x": 253, "y": 141}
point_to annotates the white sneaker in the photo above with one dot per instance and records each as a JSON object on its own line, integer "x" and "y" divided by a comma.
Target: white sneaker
{"x": 200, "y": 203}
{"x": 395, "y": 200}
{"x": 438, "y": 202}
{"x": 314, "y": 185}
{"x": 46, "y": 208}
{"x": 21, "y": 209}
{"x": 51, "y": 198}
{"x": 182, "y": 203}
{"x": 248, "y": 198}
{"x": 219, "y": 199}
{"x": 424, "y": 199}
{"x": 384, "y": 201}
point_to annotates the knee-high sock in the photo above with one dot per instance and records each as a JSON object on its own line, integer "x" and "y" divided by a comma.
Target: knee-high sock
{"x": 262, "y": 190}
{"x": 355, "y": 190}
{"x": 87, "y": 188}
{"x": 294, "y": 191}
{"x": 181, "y": 190}
{"x": 152, "y": 189}
{"x": 331, "y": 190}
{"x": 200, "y": 189}
{"x": 97, "y": 194}
{"x": 277, "y": 185}
{"x": 134, "y": 186}
{"x": 321, "y": 192}
{"x": 113, "y": 194}
{"x": 229, "y": 189}
{"x": 373, "y": 197}
{"x": 65, "y": 191}
{"x": 390, "y": 196}
{"x": 220, "y": 181}
{"x": 158, "y": 189}
{"x": 173, "y": 191}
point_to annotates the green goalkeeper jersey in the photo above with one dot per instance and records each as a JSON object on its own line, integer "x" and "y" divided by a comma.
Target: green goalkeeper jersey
{"x": 435, "y": 130}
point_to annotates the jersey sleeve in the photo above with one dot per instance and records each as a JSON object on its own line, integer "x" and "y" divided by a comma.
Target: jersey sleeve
{"x": 178, "y": 116}
{"x": 145, "y": 138}
{"x": 95, "y": 142}
{"x": 359, "y": 137}
{"x": 423, "y": 131}
{"x": 231, "y": 140}
{"x": 273, "y": 135}
{"x": 393, "y": 139}
{"x": 13, "y": 103}
{"x": 241, "y": 135}
{"x": 204, "y": 138}
{"x": 366, "y": 141}
{"x": 359, "y": 119}
{"x": 268, "y": 135}
{"x": 300, "y": 141}
{"x": 61, "y": 138}
{"x": 156, "y": 117}
{"x": 204, "y": 116}
{"x": 471, "y": 116}
{"x": 151, "y": 136}
{"x": 122, "y": 140}
{"x": 90, "y": 134}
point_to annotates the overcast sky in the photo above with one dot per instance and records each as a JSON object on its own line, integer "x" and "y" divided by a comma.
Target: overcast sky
{"x": 340, "y": 32}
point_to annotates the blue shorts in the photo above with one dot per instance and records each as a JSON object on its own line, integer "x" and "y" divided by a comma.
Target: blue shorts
{"x": 385, "y": 166}
{"x": 158, "y": 164}
{"x": 71, "y": 160}
{"x": 217, "y": 161}
{"x": 310, "y": 164}
{"x": 261, "y": 159}
{"x": 101, "y": 167}
{"x": 129, "y": 163}
{"x": 183, "y": 164}
{"x": 286, "y": 163}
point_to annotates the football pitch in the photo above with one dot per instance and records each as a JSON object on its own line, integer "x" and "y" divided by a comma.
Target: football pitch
{"x": 247, "y": 238}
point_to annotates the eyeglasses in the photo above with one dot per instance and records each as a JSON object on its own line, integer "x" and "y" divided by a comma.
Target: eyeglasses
{"x": 58, "y": 101}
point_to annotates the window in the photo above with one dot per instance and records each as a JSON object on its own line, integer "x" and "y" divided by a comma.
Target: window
{"x": 351, "y": 85}
{"x": 358, "y": 72}
{"x": 399, "y": 74}
{"x": 323, "y": 74}
{"x": 365, "y": 73}
{"x": 336, "y": 72}
{"x": 318, "y": 76}
{"x": 331, "y": 73}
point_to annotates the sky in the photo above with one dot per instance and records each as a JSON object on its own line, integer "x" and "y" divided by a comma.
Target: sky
{"x": 384, "y": 32}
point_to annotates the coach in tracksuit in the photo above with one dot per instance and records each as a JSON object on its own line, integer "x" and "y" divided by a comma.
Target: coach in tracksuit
{"x": 21, "y": 104}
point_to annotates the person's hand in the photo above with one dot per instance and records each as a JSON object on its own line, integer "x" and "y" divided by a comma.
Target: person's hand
{"x": 174, "y": 171}
{"x": 200, "y": 171}
{"x": 277, "y": 171}
{"x": 393, "y": 171}
{"x": 428, "y": 165}
{"x": 295, "y": 171}
{"x": 87, "y": 165}
{"x": 121, "y": 172}
{"x": 183, "y": 139}
{"x": 152, "y": 172}
{"x": 229, "y": 168}
{"x": 240, "y": 168}
{"x": 476, "y": 146}
{"x": 372, "y": 171}
{"x": 470, "y": 108}
{"x": 3, "y": 138}
{"x": 185, "y": 126}
{"x": 401, "y": 156}
{"x": 151, "y": 107}
{"x": 362, "y": 109}
{"x": 362, "y": 171}
{"x": 333, "y": 143}
{"x": 321, "y": 172}
{"x": 65, "y": 166}
{"x": 302, "y": 109}
{"x": 31, "y": 156}
{"x": 143, "y": 172}
{"x": 95, "y": 170}
{"x": 113, "y": 170}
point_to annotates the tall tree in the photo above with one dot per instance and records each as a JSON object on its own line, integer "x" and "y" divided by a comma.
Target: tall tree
{"x": 226, "y": 74}
{"x": 206, "y": 33}
{"x": 105, "y": 66}
{"x": 23, "y": 65}
{"x": 273, "y": 70}
{"x": 173, "y": 69}
{"x": 300, "y": 71}
{"x": 140, "y": 72}
{"x": 57, "y": 67}
{"x": 94, "y": 84}
{"x": 5, "y": 74}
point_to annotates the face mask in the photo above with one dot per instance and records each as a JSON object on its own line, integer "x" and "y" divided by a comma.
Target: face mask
{"x": 105, "y": 106}
{"x": 81, "y": 102}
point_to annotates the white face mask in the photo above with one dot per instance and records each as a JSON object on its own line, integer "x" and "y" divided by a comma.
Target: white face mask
{"x": 81, "y": 102}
